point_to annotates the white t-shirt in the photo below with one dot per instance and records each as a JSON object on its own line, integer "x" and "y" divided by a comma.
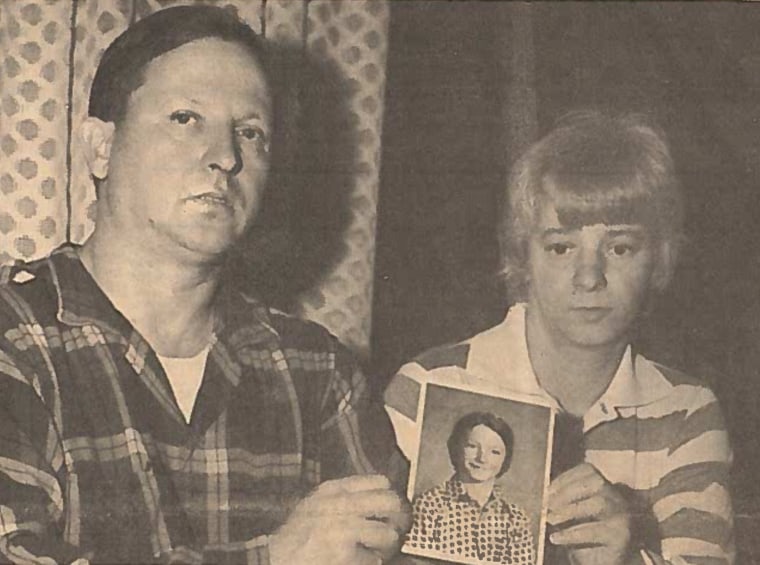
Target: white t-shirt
{"x": 185, "y": 374}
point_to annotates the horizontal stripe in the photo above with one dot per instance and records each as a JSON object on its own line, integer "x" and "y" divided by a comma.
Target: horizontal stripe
{"x": 714, "y": 499}
{"x": 699, "y": 525}
{"x": 403, "y": 395}
{"x": 673, "y": 547}
{"x": 682, "y": 397}
{"x": 20, "y": 556}
{"x": 185, "y": 460}
{"x": 645, "y": 470}
{"x": 445, "y": 356}
{"x": 654, "y": 434}
{"x": 31, "y": 476}
{"x": 691, "y": 478}
{"x": 701, "y": 560}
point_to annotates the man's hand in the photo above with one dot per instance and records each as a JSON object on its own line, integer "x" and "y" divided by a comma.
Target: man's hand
{"x": 591, "y": 518}
{"x": 353, "y": 521}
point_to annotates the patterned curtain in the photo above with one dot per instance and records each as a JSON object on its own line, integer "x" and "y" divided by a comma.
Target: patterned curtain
{"x": 319, "y": 242}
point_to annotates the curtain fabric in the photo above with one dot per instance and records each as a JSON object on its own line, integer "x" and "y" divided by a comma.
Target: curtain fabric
{"x": 49, "y": 51}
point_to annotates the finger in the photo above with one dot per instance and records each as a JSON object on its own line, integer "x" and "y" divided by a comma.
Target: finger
{"x": 379, "y": 537}
{"x": 185, "y": 556}
{"x": 588, "y": 534}
{"x": 400, "y": 521}
{"x": 355, "y": 483}
{"x": 377, "y": 504}
{"x": 593, "y": 508}
{"x": 583, "y": 487}
{"x": 580, "y": 472}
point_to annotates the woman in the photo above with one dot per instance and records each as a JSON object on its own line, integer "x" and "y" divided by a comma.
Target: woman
{"x": 467, "y": 516}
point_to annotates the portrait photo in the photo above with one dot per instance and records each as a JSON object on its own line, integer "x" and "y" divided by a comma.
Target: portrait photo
{"x": 479, "y": 481}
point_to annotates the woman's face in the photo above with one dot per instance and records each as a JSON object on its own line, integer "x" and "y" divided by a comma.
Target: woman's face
{"x": 482, "y": 456}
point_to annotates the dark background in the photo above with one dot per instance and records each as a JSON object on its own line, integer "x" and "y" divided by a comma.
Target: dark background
{"x": 695, "y": 67}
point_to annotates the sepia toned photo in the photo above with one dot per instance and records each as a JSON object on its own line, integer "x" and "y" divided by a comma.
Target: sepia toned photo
{"x": 479, "y": 483}
{"x": 350, "y": 282}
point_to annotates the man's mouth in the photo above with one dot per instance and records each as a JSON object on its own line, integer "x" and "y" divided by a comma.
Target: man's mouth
{"x": 213, "y": 199}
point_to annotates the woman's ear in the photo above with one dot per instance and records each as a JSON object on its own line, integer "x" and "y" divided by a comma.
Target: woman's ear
{"x": 96, "y": 137}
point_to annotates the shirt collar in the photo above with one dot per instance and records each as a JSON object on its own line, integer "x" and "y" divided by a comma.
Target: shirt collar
{"x": 81, "y": 301}
{"x": 504, "y": 350}
{"x": 457, "y": 492}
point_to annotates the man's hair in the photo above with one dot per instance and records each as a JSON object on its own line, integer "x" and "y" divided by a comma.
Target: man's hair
{"x": 121, "y": 69}
{"x": 464, "y": 426}
{"x": 594, "y": 168}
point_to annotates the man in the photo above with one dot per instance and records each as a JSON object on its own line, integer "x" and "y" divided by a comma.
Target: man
{"x": 148, "y": 413}
{"x": 641, "y": 457}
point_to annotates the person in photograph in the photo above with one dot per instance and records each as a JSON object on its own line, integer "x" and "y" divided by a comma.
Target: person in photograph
{"x": 150, "y": 412}
{"x": 591, "y": 233}
{"x": 468, "y": 515}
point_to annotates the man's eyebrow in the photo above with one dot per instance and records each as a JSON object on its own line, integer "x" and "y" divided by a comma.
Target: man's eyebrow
{"x": 251, "y": 116}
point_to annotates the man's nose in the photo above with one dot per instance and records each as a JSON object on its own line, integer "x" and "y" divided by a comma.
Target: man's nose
{"x": 590, "y": 272}
{"x": 223, "y": 153}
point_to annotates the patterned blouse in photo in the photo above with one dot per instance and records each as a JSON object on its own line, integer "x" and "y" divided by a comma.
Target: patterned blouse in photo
{"x": 447, "y": 520}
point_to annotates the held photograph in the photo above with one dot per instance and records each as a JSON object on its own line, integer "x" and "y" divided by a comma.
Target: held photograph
{"x": 479, "y": 480}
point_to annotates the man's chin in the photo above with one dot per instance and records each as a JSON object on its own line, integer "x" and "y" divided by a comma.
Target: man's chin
{"x": 207, "y": 248}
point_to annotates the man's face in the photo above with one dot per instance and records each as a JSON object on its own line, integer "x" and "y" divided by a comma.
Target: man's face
{"x": 483, "y": 455}
{"x": 587, "y": 285}
{"x": 189, "y": 163}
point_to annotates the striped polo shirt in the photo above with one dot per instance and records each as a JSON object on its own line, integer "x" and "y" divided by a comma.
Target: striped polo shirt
{"x": 654, "y": 430}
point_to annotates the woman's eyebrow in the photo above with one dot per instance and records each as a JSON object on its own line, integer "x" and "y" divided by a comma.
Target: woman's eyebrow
{"x": 627, "y": 230}
{"x": 556, "y": 231}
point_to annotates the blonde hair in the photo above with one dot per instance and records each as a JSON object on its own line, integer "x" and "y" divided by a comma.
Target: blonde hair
{"x": 594, "y": 168}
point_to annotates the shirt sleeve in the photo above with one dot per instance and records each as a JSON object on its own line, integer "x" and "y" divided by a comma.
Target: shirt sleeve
{"x": 251, "y": 552}
{"x": 691, "y": 502}
{"x": 32, "y": 512}
{"x": 357, "y": 435}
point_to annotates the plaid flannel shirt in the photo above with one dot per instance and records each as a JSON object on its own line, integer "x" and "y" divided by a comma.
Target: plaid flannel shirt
{"x": 97, "y": 461}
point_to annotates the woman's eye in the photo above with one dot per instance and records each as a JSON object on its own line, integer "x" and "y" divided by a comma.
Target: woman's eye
{"x": 184, "y": 117}
{"x": 558, "y": 248}
{"x": 621, "y": 249}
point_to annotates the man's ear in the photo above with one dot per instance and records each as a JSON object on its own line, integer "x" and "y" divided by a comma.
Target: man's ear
{"x": 97, "y": 136}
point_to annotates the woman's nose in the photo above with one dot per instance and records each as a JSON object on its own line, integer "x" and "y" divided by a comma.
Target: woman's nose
{"x": 589, "y": 272}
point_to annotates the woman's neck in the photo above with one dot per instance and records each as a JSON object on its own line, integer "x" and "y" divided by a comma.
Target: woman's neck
{"x": 573, "y": 375}
{"x": 480, "y": 492}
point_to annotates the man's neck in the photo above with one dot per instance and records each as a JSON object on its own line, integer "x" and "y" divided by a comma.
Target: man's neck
{"x": 168, "y": 300}
{"x": 573, "y": 375}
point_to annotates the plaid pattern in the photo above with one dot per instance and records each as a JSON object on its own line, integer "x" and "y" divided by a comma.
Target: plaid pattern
{"x": 96, "y": 459}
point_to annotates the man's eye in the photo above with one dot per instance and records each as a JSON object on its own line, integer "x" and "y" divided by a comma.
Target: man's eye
{"x": 250, "y": 133}
{"x": 184, "y": 117}
{"x": 558, "y": 248}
